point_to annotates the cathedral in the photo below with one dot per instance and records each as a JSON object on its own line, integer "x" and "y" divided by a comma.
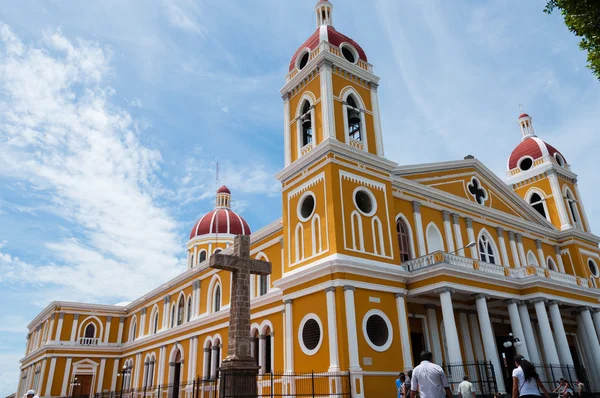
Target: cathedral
{"x": 372, "y": 262}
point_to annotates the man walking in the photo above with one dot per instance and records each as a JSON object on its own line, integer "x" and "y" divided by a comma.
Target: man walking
{"x": 429, "y": 379}
{"x": 465, "y": 388}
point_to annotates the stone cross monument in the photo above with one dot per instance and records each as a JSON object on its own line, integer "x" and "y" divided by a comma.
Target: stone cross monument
{"x": 239, "y": 369}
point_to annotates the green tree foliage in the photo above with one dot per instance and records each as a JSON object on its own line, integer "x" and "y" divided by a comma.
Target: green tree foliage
{"x": 582, "y": 17}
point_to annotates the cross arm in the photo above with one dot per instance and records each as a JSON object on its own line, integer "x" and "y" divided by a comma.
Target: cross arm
{"x": 235, "y": 264}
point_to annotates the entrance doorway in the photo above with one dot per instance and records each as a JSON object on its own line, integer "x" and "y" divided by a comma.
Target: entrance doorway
{"x": 176, "y": 375}
{"x": 417, "y": 339}
{"x": 507, "y": 360}
{"x": 82, "y": 386}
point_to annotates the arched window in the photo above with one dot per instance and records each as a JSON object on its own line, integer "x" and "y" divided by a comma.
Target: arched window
{"x": 173, "y": 316}
{"x": 551, "y": 265}
{"x": 354, "y": 119}
{"x": 531, "y": 259}
{"x": 403, "y": 240}
{"x": 90, "y": 331}
{"x": 217, "y": 251}
{"x": 192, "y": 261}
{"x": 486, "y": 250}
{"x": 189, "y": 309}
{"x": 268, "y": 350}
{"x": 537, "y": 203}
{"x": 264, "y": 285}
{"x": 155, "y": 323}
{"x": 572, "y": 204}
{"x": 180, "y": 310}
{"x": 434, "y": 239}
{"x": 202, "y": 256}
{"x": 133, "y": 330}
{"x": 217, "y": 299}
{"x": 306, "y": 124}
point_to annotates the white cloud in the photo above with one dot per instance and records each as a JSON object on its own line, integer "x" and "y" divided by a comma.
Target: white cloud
{"x": 9, "y": 375}
{"x": 225, "y": 109}
{"x": 3, "y": 243}
{"x": 183, "y": 15}
{"x": 136, "y": 103}
{"x": 13, "y": 323}
{"x": 60, "y": 135}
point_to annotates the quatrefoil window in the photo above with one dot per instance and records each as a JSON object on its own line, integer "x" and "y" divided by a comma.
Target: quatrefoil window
{"x": 479, "y": 193}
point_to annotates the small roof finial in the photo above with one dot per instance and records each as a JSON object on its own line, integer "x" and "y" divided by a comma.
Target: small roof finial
{"x": 521, "y": 107}
{"x": 323, "y": 11}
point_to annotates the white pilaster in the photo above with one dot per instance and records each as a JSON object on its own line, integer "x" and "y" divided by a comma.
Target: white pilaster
{"x": 120, "y": 332}
{"x": 50, "y": 336}
{"x": 353, "y": 343}
{"x": 458, "y": 234}
{"x": 532, "y": 348}
{"x": 107, "y": 329}
{"x": 193, "y": 360}
{"x": 513, "y": 249}
{"x": 559, "y": 260}
{"x": 289, "y": 337}
{"x": 142, "y": 325}
{"x": 262, "y": 339}
{"x": 562, "y": 345}
{"x": 404, "y": 332}
{"x": 215, "y": 361}
{"x": 48, "y": 391}
{"x": 471, "y": 237}
{"x": 206, "y": 363}
{"x": 434, "y": 334}
{"x": 522, "y": 256}
{"x": 560, "y": 202}
{"x": 61, "y": 316}
{"x": 165, "y": 319}
{"x": 136, "y": 375}
{"x": 328, "y": 120}
{"x": 100, "y": 376}
{"x": 540, "y": 251}
{"x": 162, "y": 365}
{"x": 74, "y": 328}
{"x": 454, "y": 354}
{"x": 286, "y": 130}
{"x": 463, "y": 321}
{"x": 41, "y": 378}
{"x": 65, "y": 382}
{"x": 419, "y": 228}
{"x": 115, "y": 374}
{"x": 448, "y": 232}
{"x": 197, "y": 300}
{"x": 594, "y": 345}
{"x": 476, "y": 336}
{"x": 334, "y": 357}
{"x": 503, "y": 251}
{"x": 517, "y": 327}
{"x": 550, "y": 352}
{"x": 489, "y": 345}
{"x": 377, "y": 119}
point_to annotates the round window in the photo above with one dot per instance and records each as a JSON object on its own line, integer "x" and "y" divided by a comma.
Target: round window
{"x": 593, "y": 268}
{"x": 364, "y": 201}
{"x": 310, "y": 334}
{"x": 303, "y": 60}
{"x": 559, "y": 159}
{"x": 348, "y": 54}
{"x": 525, "y": 164}
{"x": 306, "y": 206}
{"x": 377, "y": 329}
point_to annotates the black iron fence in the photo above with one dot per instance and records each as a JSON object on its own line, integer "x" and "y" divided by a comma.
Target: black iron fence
{"x": 480, "y": 374}
{"x": 269, "y": 385}
{"x": 550, "y": 376}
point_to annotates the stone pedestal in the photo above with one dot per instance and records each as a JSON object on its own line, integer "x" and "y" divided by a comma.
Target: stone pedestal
{"x": 238, "y": 378}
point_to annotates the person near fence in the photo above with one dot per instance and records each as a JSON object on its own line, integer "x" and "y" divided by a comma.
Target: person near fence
{"x": 429, "y": 379}
{"x": 465, "y": 388}
{"x": 400, "y": 384}
{"x": 526, "y": 381}
{"x": 406, "y": 384}
{"x": 580, "y": 387}
{"x": 565, "y": 388}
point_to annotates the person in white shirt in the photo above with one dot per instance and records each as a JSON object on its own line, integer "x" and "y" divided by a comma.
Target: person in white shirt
{"x": 465, "y": 388}
{"x": 526, "y": 382}
{"x": 429, "y": 379}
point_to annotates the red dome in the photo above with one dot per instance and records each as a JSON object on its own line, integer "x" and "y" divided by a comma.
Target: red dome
{"x": 332, "y": 36}
{"x": 533, "y": 147}
{"x": 224, "y": 189}
{"x": 229, "y": 222}
{"x": 523, "y": 115}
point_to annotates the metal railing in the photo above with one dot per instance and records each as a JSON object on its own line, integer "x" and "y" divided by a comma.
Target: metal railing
{"x": 480, "y": 374}
{"x": 88, "y": 341}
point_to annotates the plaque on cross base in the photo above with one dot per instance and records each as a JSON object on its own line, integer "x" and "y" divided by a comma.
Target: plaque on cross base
{"x": 239, "y": 370}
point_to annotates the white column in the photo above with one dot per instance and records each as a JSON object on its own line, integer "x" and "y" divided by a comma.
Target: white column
{"x": 136, "y": 375}
{"x": 538, "y": 244}
{"x": 142, "y": 324}
{"x": 162, "y": 365}
{"x": 74, "y": 328}
{"x": 50, "y": 336}
{"x": 503, "y": 251}
{"x": 517, "y": 327}
{"x": 195, "y": 256}
{"x": 404, "y": 332}
{"x": 262, "y": 339}
{"x": 560, "y": 202}
{"x": 107, "y": 329}
{"x": 585, "y": 342}
{"x": 115, "y": 373}
{"x": 448, "y": 231}
{"x": 454, "y": 354}
{"x": 100, "y": 376}
{"x": 289, "y": 337}
{"x": 458, "y": 234}
{"x": 41, "y": 378}
{"x": 193, "y": 359}
{"x": 476, "y": 336}
{"x": 471, "y": 237}
{"x": 353, "y": 343}
{"x": 286, "y": 130}
{"x": 532, "y": 348}
{"x": 334, "y": 357}
{"x": 564, "y": 353}
{"x": 328, "y": 120}
{"x": 206, "y": 363}
{"x": 419, "y": 228}
{"x": 48, "y": 391}
{"x": 522, "y": 256}
{"x": 559, "y": 260}
{"x": 434, "y": 333}
{"x": 596, "y": 318}
{"x": 120, "y": 332}
{"x": 165, "y": 318}
{"x": 216, "y": 360}
{"x": 65, "y": 383}
{"x": 376, "y": 119}
{"x": 197, "y": 300}
{"x": 513, "y": 249}
{"x": 463, "y": 322}
{"x": 594, "y": 345}
{"x": 550, "y": 352}
{"x": 487, "y": 335}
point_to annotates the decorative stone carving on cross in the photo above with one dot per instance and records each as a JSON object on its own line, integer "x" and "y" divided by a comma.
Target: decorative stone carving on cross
{"x": 239, "y": 369}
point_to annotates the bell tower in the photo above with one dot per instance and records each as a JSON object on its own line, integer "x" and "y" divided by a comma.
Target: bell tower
{"x": 330, "y": 93}
{"x": 540, "y": 174}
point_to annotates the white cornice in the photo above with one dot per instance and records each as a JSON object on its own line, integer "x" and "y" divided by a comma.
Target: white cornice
{"x": 537, "y": 170}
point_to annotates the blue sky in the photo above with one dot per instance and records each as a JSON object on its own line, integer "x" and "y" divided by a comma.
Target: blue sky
{"x": 113, "y": 115}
